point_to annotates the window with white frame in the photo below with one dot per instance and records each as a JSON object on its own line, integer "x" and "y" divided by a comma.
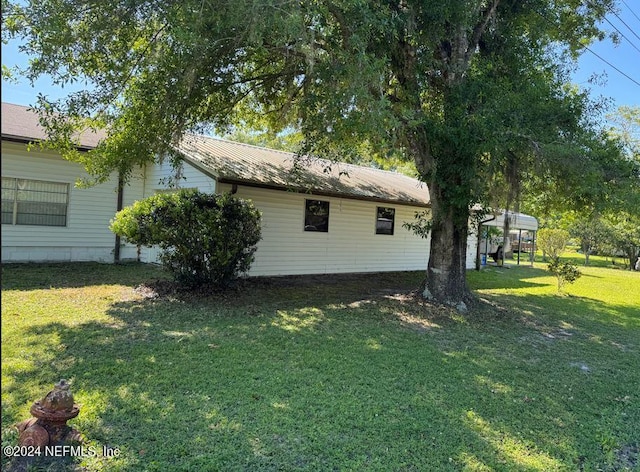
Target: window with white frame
{"x": 34, "y": 202}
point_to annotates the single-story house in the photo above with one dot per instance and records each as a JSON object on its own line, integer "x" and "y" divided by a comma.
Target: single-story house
{"x": 317, "y": 216}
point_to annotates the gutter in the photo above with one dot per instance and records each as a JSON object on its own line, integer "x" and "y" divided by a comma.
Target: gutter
{"x": 38, "y": 141}
{"x": 119, "y": 201}
{"x": 323, "y": 193}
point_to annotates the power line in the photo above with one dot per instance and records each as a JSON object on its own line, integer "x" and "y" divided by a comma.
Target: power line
{"x": 623, "y": 22}
{"x": 612, "y": 66}
{"x": 632, "y": 12}
{"x": 597, "y": 55}
{"x": 622, "y": 34}
{"x": 589, "y": 4}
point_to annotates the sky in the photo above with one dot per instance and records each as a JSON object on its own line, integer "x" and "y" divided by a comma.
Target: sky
{"x": 616, "y": 67}
{"x": 618, "y": 64}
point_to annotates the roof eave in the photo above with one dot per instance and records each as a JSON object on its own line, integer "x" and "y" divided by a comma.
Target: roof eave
{"x": 323, "y": 193}
{"x": 199, "y": 166}
{"x": 36, "y": 141}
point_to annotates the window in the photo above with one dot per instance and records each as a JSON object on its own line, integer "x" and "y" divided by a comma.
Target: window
{"x": 316, "y": 216}
{"x": 385, "y": 220}
{"x": 34, "y": 202}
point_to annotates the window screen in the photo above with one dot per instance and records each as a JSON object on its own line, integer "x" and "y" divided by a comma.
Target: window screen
{"x": 34, "y": 202}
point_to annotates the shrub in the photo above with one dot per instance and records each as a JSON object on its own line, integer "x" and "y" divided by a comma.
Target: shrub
{"x": 204, "y": 238}
{"x": 552, "y": 242}
{"x": 564, "y": 271}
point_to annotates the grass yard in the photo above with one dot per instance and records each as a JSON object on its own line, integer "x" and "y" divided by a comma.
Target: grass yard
{"x": 330, "y": 373}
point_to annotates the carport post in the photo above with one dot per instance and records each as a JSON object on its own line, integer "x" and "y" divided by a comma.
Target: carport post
{"x": 533, "y": 248}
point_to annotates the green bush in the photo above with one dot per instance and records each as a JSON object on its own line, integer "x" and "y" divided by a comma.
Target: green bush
{"x": 204, "y": 238}
{"x": 564, "y": 271}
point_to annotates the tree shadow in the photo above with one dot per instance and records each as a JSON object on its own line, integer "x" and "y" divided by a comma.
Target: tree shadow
{"x": 33, "y": 276}
{"x": 323, "y": 374}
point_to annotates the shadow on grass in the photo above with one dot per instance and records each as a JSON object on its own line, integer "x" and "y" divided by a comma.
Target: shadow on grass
{"x": 32, "y": 276}
{"x": 332, "y": 375}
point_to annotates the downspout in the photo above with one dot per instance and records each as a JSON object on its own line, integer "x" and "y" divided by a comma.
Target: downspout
{"x": 119, "y": 200}
{"x": 480, "y": 240}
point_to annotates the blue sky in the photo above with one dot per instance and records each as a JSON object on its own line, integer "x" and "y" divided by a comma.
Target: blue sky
{"x": 624, "y": 56}
{"x": 621, "y": 89}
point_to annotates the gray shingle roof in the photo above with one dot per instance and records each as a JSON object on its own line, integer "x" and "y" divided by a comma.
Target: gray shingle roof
{"x": 20, "y": 123}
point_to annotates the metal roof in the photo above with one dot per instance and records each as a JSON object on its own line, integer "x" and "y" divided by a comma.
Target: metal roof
{"x": 22, "y": 124}
{"x": 237, "y": 163}
{"x": 516, "y": 221}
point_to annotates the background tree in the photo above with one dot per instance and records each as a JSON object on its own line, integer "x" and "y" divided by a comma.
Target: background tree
{"x": 626, "y": 121}
{"x": 464, "y": 89}
{"x": 284, "y": 141}
{"x": 625, "y": 229}
{"x": 625, "y": 220}
{"x": 553, "y": 242}
{"x": 611, "y": 225}
{"x": 592, "y": 233}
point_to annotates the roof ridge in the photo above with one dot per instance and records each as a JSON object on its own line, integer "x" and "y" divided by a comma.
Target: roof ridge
{"x": 289, "y": 154}
{"x": 238, "y": 143}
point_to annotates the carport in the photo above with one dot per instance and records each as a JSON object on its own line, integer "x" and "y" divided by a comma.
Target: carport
{"x": 519, "y": 223}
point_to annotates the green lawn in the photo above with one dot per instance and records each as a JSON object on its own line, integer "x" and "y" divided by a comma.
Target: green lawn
{"x": 331, "y": 373}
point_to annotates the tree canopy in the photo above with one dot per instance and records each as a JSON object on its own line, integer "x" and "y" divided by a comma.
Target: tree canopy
{"x": 474, "y": 92}
{"x": 608, "y": 220}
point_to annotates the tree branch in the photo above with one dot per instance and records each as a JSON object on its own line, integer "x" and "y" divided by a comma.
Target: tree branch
{"x": 480, "y": 29}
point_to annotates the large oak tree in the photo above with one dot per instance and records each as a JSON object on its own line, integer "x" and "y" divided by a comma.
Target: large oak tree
{"x": 473, "y": 91}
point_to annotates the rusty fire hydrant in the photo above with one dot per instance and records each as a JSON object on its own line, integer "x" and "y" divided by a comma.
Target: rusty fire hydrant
{"x": 49, "y": 427}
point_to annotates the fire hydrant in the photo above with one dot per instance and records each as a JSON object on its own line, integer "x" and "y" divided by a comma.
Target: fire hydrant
{"x": 49, "y": 425}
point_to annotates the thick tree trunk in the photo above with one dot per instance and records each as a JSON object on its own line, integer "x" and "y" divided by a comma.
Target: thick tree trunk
{"x": 630, "y": 253}
{"x": 446, "y": 272}
{"x": 447, "y": 176}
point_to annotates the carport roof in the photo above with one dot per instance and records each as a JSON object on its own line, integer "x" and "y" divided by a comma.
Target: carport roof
{"x": 516, "y": 221}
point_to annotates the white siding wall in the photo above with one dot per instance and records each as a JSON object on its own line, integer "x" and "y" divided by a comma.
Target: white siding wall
{"x": 159, "y": 174}
{"x": 86, "y": 236}
{"x": 472, "y": 248}
{"x": 351, "y": 244}
{"x": 157, "y": 178}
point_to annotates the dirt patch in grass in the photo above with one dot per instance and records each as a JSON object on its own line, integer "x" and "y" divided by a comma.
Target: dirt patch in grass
{"x": 395, "y": 292}
{"x": 627, "y": 457}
